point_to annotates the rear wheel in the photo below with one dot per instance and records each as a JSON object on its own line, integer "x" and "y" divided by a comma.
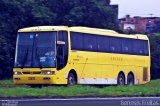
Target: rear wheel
{"x": 121, "y": 79}
{"x": 130, "y": 79}
{"x": 71, "y": 79}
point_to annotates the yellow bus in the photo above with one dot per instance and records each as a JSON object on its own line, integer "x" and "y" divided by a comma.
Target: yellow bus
{"x": 48, "y": 55}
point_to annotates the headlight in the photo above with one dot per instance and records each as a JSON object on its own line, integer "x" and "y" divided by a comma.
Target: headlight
{"x": 17, "y": 73}
{"x": 47, "y": 72}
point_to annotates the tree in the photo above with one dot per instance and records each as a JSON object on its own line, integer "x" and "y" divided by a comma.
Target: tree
{"x": 155, "y": 55}
{"x": 91, "y": 13}
{"x": 19, "y": 14}
{"x": 157, "y": 26}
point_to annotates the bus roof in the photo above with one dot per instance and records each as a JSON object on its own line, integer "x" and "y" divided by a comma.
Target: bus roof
{"x": 106, "y": 32}
{"x": 43, "y": 28}
{"x": 82, "y": 30}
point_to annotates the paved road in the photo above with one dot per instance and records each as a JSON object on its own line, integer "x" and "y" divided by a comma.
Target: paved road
{"x": 121, "y": 101}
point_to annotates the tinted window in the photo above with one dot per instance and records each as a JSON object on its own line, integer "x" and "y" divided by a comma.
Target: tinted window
{"x": 100, "y": 43}
{"x": 62, "y": 50}
{"x": 76, "y": 41}
{"x": 127, "y": 46}
{"x": 115, "y": 45}
{"x": 90, "y": 42}
{"x": 103, "y": 43}
{"x": 137, "y": 47}
{"x": 62, "y": 36}
{"x": 145, "y": 46}
{"x": 140, "y": 47}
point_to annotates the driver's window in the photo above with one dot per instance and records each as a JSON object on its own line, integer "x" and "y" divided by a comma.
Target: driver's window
{"x": 62, "y": 49}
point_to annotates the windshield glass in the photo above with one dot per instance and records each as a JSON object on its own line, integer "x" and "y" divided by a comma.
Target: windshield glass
{"x": 36, "y": 49}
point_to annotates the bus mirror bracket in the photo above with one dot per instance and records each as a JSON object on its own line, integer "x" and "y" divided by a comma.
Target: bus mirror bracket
{"x": 60, "y": 43}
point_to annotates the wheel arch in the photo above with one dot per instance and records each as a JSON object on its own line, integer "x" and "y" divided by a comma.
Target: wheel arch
{"x": 131, "y": 73}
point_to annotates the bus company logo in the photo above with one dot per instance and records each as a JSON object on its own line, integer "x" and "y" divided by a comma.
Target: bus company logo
{"x": 140, "y": 103}
{"x": 78, "y": 56}
{"x": 9, "y": 103}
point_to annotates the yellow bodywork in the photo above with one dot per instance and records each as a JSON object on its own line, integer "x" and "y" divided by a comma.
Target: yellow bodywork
{"x": 96, "y": 67}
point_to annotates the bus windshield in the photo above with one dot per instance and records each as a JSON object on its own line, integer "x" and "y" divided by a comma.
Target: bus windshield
{"x": 35, "y": 50}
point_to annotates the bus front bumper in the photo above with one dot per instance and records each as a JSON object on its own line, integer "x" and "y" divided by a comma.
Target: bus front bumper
{"x": 34, "y": 79}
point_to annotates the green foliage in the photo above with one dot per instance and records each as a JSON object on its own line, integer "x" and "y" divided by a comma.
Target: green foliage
{"x": 157, "y": 26}
{"x": 91, "y": 13}
{"x": 155, "y": 55}
{"x": 8, "y": 90}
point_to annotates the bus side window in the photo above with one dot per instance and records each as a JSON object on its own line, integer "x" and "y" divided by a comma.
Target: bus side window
{"x": 145, "y": 48}
{"x": 140, "y": 47}
{"x": 90, "y": 43}
{"x": 127, "y": 46}
{"x": 76, "y": 41}
{"x": 103, "y": 43}
{"x": 115, "y": 45}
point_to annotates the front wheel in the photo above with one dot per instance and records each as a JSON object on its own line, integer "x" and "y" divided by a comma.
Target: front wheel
{"x": 71, "y": 79}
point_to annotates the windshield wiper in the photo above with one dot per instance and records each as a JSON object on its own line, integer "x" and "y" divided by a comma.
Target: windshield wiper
{"x": 24, "y": 58}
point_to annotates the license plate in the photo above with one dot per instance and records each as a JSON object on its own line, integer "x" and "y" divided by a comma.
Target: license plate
{"x": 31, "y": 78}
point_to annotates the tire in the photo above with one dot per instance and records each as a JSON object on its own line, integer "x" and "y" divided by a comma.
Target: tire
{"x": 35, "y": 86}
{"x": 130, "y": 79}
{"x": 121, "y": 79}
{"x": 71, "y": 79}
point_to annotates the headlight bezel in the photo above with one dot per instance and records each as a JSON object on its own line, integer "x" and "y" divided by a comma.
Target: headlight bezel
{"x": 17, "y": 73}
{"x": 47, "y": 72}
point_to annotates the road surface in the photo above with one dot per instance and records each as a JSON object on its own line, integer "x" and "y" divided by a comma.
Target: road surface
{"x": 119, "y": 101}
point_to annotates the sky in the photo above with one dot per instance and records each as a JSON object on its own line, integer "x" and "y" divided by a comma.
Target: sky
{"x": 142, "y": 8}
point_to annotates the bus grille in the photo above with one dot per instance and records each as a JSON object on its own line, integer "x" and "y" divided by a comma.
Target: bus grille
{"x": 32, "y": 72}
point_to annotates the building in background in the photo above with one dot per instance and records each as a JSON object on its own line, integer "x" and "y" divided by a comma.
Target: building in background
{"x": 138, "y": 24}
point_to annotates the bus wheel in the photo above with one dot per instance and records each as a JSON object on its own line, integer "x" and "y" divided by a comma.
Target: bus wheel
{"x": 71, "y": 79}
{"x": 35, "y": 86}
{"x": 121, "y": 79}
{"x": 130, "y": 79}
